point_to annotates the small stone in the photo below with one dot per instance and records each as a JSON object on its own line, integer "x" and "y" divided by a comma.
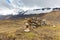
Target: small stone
{"x": 27, "y": 30}
{"x": 54, "y": 26}
{"x": 26, "y": 24}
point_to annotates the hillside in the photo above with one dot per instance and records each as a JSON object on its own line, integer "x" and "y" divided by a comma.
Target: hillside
{"x": 53, "y": 17}
{"x": 14, "y": 29}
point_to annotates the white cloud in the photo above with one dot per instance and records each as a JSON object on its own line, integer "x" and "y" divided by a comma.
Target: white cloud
{"x": 26, "y": 4}
{"x": 7, "y": 12}
{"x": 29, "y": 3}
{"x": 42, "y": 3}
{"x": 29, "y": 8}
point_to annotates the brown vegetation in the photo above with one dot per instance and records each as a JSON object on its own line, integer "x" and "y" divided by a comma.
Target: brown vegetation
{"x": 14, "y": 29}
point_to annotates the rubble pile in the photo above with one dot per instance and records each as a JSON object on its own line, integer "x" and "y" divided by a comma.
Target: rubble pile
{"x": 35, "y": 22}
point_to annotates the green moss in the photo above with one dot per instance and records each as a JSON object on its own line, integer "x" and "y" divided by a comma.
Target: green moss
{"x": 30, "y": 35}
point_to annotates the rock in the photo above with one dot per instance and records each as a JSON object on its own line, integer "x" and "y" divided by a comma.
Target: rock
{"x": 33, "y": 26}
{"x": 54, "y": 26}
{"x": 26, "y": 24}
{"x": 27, "y": 30}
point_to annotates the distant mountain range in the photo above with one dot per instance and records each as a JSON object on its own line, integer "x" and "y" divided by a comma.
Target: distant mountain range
{"x": 29, "y": 13}
{"x": 38, "y": 11}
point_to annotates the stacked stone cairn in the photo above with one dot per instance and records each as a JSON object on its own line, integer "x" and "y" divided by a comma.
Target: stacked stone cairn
{"x": 35, "y": 22}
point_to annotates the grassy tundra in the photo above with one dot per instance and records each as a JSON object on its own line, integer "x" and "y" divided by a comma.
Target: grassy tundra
{"x": 13, "y": 29}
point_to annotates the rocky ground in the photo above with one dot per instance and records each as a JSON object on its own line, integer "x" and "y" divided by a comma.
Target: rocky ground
{"x": 14, "y": 29}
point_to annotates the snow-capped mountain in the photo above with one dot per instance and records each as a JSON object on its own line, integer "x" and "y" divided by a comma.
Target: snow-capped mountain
{"x": 20, "y": 13}
{"x": 8, "y": 7}
{"x": 37, "y": 11}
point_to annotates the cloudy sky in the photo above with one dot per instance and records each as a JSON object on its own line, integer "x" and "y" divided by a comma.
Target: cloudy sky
{"x": 42, "y": 3}
{"x": 27, "y": 4}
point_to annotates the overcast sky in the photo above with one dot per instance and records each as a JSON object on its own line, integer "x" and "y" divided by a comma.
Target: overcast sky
{"x": 29, "y": 3}
{"x": 42, "y": 3}
{"x": 26, "y": 4}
